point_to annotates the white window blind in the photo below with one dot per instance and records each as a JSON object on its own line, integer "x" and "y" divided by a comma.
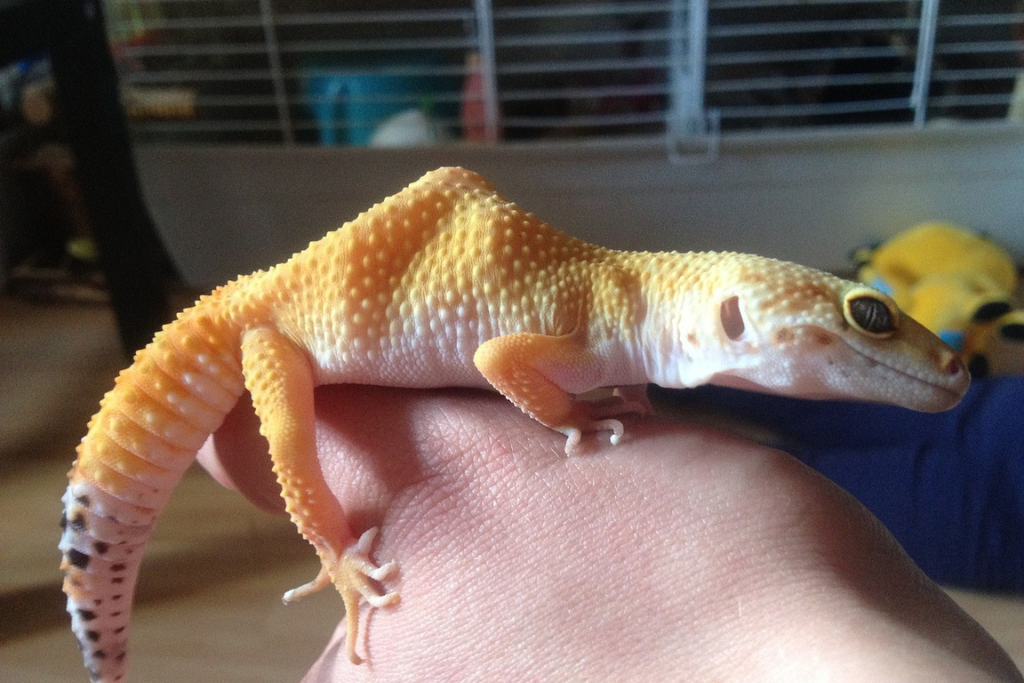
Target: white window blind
{"x": 793, "y": 63}
{"x": 493, "y": 71}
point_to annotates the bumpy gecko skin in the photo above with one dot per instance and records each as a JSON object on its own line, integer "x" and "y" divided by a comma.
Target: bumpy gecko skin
{"x": 449, "y": 284}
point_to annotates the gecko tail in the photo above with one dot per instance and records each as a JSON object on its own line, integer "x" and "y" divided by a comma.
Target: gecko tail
{"x": 102, "y": 543}
{"x": 145, "y": 435}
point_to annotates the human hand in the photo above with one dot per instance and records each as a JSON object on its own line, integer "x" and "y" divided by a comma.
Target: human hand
{"x": 680, "y": 554}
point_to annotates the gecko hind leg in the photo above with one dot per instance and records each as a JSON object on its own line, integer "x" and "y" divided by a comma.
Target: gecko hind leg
{"x": 625, "y": 400}
{"x": 279, "y": 377}
{"x": 634, "y": 399}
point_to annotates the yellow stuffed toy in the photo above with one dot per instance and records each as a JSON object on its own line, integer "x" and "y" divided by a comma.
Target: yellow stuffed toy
{"x": 959, "y": 285}
{"x": 996, "y": 347}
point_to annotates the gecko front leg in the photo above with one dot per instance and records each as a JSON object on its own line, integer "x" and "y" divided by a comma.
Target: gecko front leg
{"x": 522, "y": 367}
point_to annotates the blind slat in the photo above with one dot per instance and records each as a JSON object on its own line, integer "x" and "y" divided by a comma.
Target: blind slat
{"x": 786, "y": 83}
{"x": 807, "y": 55}
{"x": 797, "y": 27}
{"x": 580, "y": 10}
{"x": 581, "y": 38}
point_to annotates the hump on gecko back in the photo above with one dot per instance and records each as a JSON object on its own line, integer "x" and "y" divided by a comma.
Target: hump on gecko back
{"x": 449, "y": 205}
{"x": 418, "y": 211}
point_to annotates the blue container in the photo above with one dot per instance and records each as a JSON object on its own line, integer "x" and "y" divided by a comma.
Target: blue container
{"x": 349, "y": 107}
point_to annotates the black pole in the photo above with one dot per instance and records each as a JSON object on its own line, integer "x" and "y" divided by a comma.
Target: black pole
{"x": 133, "y": 258}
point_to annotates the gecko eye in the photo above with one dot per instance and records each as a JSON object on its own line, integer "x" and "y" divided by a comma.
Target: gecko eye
{"x": 869, "y": 314}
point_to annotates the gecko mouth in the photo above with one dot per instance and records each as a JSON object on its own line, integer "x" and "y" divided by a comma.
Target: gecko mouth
{"x": 955, "y": 368}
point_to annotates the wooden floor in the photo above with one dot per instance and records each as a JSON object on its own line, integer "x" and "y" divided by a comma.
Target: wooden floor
{"x": 209, "y": 607}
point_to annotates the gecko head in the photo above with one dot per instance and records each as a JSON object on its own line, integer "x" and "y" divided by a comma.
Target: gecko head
{"x": 795, "y": 331}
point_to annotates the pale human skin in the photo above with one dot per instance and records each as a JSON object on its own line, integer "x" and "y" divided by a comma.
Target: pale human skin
{"x": 679, "y": 554}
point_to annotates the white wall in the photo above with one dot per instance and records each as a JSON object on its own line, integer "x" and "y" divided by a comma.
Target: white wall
{"x": 810, "y": 198}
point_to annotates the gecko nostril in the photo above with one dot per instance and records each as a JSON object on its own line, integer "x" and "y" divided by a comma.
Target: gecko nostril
{"x": 954, "y": 366}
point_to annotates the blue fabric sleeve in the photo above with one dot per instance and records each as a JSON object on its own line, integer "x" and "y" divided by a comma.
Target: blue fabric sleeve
{"x": 949, "y": 486}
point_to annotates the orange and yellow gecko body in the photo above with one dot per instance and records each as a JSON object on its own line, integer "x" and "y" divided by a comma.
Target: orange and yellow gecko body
{"x": 449, "y": 284}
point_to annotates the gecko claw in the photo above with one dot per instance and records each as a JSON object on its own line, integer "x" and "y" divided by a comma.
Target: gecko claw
{"x": 385, "y": 600}
{"x": 574, "y": 435}
{"x": 384, "y": 571}
{"x": 615, "y": 426}
{"x": 322, "y": 580}
{"x": 366, "y": 539}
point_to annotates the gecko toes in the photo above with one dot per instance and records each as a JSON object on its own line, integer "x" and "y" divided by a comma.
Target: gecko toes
{"x": 384, "y": 571}
{"x": 573, "y": 437}
{"x": 614, "y": 426}
{"x": 385, "y": 600}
